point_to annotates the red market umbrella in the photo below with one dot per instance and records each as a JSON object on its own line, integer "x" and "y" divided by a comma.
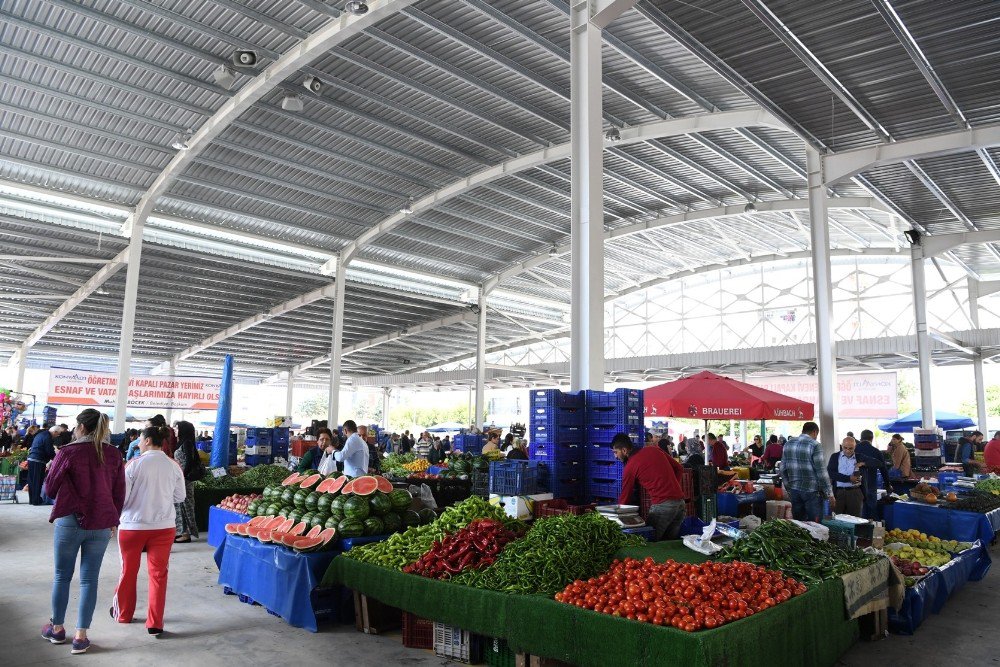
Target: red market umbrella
{"x": 709, "y": 396}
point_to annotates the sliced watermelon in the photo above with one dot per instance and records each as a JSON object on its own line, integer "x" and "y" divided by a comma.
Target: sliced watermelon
{"x": 298, "y": 529}
{"x": 252, "y": 531}
{"x": 314, "y": 531}
{"x": 233, "y": 528}
{"x": 307, "y": 543}
{"x": 384, "y": 485}
{"x": 257, "y": 520}
{"x": 286, "y": 525}
{"x": 364, "y": 486}
{"x": 292, "y": 479}
{"x": 289, "y": 539}
{"x": 328, "y": 535}
{"x": 346, "y": 488}
{"x": 332, "y": 484}
{"x": 265, "y": 535}
{"x": 241, "y": 529}
{"x": 310, "y": 481}
{"x": 324, "y": 486}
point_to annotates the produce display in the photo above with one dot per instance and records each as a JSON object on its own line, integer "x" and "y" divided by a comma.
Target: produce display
{"x": 781, "y": 545}
{"x": 418, "y": 465}
{"x": 911, "y": 570}
{"x": 473, "y": 547}
{"x": 407, "y": 547}
{"x": 555, "y": 551}
{"x": 924, "y": 557}
{"x": 297, "y": 535}
{"x": 981, "y": 502}
{"x": 392, "y": 465}
{"x": 991, "y": 485}
{"x": 256, "y": 477}
{"x": 915, "y": 538}
{"x": 687, "y": 597}
{"x": 238, "y": 502}
{"x": 363, "y": 506}
{"x": 925, "y": 493}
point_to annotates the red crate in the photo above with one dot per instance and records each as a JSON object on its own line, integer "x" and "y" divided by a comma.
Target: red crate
{"x": 559, "y": 506}
{"x": 417, "y": 632}
{"x": 687, "y": 483}
{"x": 298, "y": 448}
{"x": 690, "y": 508}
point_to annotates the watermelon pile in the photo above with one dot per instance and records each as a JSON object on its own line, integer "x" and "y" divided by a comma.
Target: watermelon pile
{"x": 309, "y": 505}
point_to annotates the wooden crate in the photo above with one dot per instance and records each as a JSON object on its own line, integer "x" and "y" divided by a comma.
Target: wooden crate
{"x": 373, "y": 617}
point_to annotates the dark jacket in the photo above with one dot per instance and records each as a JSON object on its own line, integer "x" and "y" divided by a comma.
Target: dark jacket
{"x": 374, "y": 459}
{"x": 310, "y": 460}
{"x": 42, "y": 448}
{"x": 833, "y": 468}
{"x": 83, "y": 486}
{"x": 516, "y": 453}
{"x": 875, "y": 462}
{"x": 436, "y": 455}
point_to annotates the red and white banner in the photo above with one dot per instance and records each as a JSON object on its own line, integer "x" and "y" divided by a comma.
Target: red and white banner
{"x": 859, "y": 396}
{"x": 68, "y": 386}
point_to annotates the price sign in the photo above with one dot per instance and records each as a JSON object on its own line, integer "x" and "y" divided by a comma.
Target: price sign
{"x": 218, "y": 472}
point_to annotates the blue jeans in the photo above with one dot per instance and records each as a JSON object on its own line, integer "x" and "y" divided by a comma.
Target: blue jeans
{"x": 91, "y": 544}
{"x": 806, "y": 505}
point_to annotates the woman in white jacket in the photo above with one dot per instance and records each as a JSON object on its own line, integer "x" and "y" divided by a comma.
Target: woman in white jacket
{"x": 153, "y": 484}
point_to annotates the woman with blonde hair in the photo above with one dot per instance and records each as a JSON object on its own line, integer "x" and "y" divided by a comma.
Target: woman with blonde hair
{"x": 87, "y": 480}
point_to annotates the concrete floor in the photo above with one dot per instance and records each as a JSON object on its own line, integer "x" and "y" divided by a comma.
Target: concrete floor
{"x": 206, "y": 628}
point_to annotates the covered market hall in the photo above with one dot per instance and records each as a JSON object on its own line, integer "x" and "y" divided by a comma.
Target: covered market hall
{"x": 506, "y": 332}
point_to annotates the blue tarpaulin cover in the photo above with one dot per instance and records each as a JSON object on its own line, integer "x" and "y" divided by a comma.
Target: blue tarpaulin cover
{"x": 944, "y": 523}
{"x": 946, "y": 420}
{"x": 223, "y": 417}
{"x": 217, "y": 520}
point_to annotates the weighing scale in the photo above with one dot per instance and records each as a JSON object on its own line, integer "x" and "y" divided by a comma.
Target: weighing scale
{"x": 626, "y": 516}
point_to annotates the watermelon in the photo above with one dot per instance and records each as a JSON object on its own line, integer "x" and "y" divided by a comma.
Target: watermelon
{"x": 299, "y": 499}
{"x": 374, "y": 526}
{"x": 384, "y": 485}
{"x": 287, "y": 539}
{"x": 307, "y": 517}
{"x": 313, "y": 532}
{"x": 333, "y": 521}
{"x": 364, "y": 486}
{"x": 257, "y": 520}
{"x": 323, "y": 502}
{"x": 233, "y": 528}
{"x": 319, "y": 520}
{"x": 380, "y": 504}
{"x": 291, "y": 479}
{"x": 351, "y": 528}
{"x": 295, "y": 514}
{"x": 410, "y": 518}
{"x": 311, "y": 501}
{"x": 284, "y": 512}
{"x": 298, "y": 529}
{"x": 459, "y": 466}
{"x": 400, "y": 499}
{"x": 310, "y": 481}
{"x": 307, "y": 543}
{"x": 357, "y": 508}
{"x": 332, "y": 484}
{"x": 327, "y": 535}
{"x": 252, "y": 507}
{"x": 241, "y": 529}
{"x": 287, "y": 496}
{"x": 337, "y": 505}
{"x": 392, "y": 522}
{"x": 427, "y": 515}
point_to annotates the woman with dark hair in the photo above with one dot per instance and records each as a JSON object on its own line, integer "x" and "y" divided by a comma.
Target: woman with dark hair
{"x": 170, "y": 439}
{"x": 186, "y": 456}
{"x": 87, "y": 480}
{"x": 153, "y": 483}
{"x": 508, "y": 442}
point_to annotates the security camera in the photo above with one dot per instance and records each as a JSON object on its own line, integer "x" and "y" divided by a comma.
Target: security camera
{"x": 313, "y": 85}
{"x": 245, "y": 58}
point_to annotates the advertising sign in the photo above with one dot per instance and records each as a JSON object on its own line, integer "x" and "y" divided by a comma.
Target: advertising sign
{"x": 858, "y": 396}
{"x": 68, "y": 386}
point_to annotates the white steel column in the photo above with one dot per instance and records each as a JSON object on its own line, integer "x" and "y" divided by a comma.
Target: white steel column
{"x": 587, "y": 208}
{"x": 128, "y": 319}
{"x": 826, "y": 358}
{"x": 480, "y": 405}
{"x": 22, "y": 364}
{"x": 336, "y": 345}
{"x": 169, "y": 412}
{"x": 385, "y": 408}
{"x": 977, "y": 360}
{"x": 289, "y": 395}
{"x": 923, "y": 339}
{"x": 743, "y": 423}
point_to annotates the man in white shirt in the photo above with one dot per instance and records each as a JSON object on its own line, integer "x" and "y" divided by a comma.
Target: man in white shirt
{"x": 354, "y": 453}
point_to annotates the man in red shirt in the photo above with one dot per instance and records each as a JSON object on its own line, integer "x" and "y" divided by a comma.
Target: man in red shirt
{"x": 659, "y": 474}
{"x": 720, "y": 451}
{"x": 991, "y": 456}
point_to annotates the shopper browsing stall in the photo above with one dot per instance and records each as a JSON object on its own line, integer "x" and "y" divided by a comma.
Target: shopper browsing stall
{"x": 756, "y": 448}
{"x": 901, "y": 464}
{"x": 773, "y": 452}
{"x": 492, "y": 444}
{"x": 804, "y": 475}
{"x": 991, "y": 455}
{"x": 42, "y": 452}
{"x": 354, "y": 453}
{"x": 872, "y": 465}
{"x": 719, "y": 451}
{"x": 844, "y": 469}
{"x": 660, "y": 476}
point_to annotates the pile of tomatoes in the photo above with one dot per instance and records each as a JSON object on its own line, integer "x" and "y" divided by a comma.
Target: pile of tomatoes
{"x": 685, "y": 596}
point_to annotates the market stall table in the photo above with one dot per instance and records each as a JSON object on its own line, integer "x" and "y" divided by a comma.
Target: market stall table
{"x": 277, "y": 577}
{"x": 946, "y": 524}
{"x": 206, "y": 498}
{"x": 217, "y": 520}
{"x": 810, "y": 629}
{"x": 930, "y": 593}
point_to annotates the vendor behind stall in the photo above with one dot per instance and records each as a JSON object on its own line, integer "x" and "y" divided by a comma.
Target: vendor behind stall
{"x": 772, "y": 453}
{"x": 901, "y": 465}
{"x": 312, "y": 459}
{"x": 660, "y": 475}
{"x": 966, "y": 452}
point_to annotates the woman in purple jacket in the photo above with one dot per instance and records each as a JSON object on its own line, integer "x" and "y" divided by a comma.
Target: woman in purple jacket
{"x": 87, "y": 479}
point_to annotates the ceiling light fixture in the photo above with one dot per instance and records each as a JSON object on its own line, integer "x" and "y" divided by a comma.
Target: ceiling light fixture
{"x": 407, "y": 207}
{"x": 291, "y": 103}
{"x": 245, "y": 58}
{"x": 554, "y": 251}
{"x": 913, "y": 236}
{"x": 356, "y": 7}
{"x": 811, "y": 372}
{"x": 613, "y": 134}
{"x": 181, "y": 141}
{"x": 750, "y": 208}
{"x": 224, "y": 76}
{"x": 313, "y": 85}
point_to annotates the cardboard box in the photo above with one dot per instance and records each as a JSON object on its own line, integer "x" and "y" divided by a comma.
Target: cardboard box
{"x": 519, "y": 507}
{"x": 258, "y": 450}
{"x": 373, "y": 617}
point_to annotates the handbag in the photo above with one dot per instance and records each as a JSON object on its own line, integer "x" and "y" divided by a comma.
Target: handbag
{"x": 195, "y": 468}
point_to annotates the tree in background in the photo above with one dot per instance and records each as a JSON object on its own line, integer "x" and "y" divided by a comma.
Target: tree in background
{"x": 968, "y": 407}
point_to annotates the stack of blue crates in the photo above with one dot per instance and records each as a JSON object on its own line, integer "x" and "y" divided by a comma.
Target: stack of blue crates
{"x": 469, "y": 443}
{"x": 607, "y": 414}
{"x": 260, "y": 437}
{"x": 279, "y": 442}
{"x": 556, "y": 438}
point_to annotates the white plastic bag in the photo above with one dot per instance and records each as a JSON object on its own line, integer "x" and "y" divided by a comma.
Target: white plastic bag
{"x": 703, "y": 543}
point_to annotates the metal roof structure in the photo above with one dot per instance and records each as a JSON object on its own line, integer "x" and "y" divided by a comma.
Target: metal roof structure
{"x": 427, "y": 143}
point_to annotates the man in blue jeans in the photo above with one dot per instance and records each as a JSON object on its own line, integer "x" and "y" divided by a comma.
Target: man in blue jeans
{"x": 804, "y": 475}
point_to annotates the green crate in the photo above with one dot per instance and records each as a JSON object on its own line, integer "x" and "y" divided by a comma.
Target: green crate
{"x": 498, "y": 654}
{"x": 707, "y": 508}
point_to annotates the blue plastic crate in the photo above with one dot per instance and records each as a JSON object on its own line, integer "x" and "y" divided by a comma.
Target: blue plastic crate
{"x": 604, "y": 488}
{"x": 471, "y": 443}
{"x": 256, "y": 459}
{"x": 259, "y": 436}
{"x": 574, "y": 490}
{"x": 605, "y": 470}
{"x": 620, "y": 399}
{"x": 556, "y": 417}
{"x": 554, "y": 398}
{"x": 280, "y": 435}
{"x": 556, "y": 434}
{"x": 593, "y": 452}
{"x": 603, "y": 435}
{"x": 515, "y": 478}
{"x": 561, "y": 470}
{"x": 630, "y": 418}
{"x": 558, "y": 452}
{"x": 728, "y": 504}
{"x": 645, "y": 532}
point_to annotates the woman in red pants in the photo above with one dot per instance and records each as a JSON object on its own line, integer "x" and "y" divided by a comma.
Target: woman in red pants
{"x": 153, "y": 484}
